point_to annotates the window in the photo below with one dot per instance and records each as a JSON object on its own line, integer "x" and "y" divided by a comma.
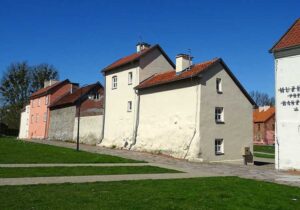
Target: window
{"x": 94, "y": 96}
{"x": 114, "y": 82}
{"x": 219, "y": 114}
{"x": 37, "y": 118}
{"x": 129, "y": 106}
{"x": 219, "y": 85}
{"x": 219, "y": 146}
{"x": 45, "y": 117}
{"x": 39, "y": 102}
{"x": 129, "y": 78}
{"x": 47, "y": 100}
{"x": 258, "y": 126}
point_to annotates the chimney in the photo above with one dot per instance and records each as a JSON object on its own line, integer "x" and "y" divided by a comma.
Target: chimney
{"x": 142, "y": 46}
{"x": 50, "y": 82}
{"x": 183, "y": 61}
{"x": 263, "y": 108}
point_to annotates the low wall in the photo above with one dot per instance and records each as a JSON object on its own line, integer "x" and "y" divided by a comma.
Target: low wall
{"x": 90, "y": 129}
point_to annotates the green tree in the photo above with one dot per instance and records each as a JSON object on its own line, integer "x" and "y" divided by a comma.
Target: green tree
{"x": 43, "y": 72}
{"x": 16, "y": 86}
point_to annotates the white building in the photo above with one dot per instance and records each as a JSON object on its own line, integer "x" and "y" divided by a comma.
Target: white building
{"x": 198, "y": 112}
{"x": 287, "y": 86}
{"x": 24, "y": 122}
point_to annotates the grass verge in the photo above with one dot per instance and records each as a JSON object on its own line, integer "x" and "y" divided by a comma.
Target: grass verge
{"x": 260, "y": 155}
{"x": 230, "y": 193}
{"x": 262, "y": 148}
{"x": 18, "y": 151}
{"x": 80, "y": 171}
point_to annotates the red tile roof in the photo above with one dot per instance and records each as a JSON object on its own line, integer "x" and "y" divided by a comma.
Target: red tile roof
{"x": 290, "y": 39}
{"x": 71, "y": 98}
{"x": 263, "y": 116}
{"x": 171, "y": 76}
{"x": 48, "y": 89}
{"x": 134, "y": 57}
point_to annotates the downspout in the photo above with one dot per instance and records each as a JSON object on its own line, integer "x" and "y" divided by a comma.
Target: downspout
{"x": 137, "y": 113}
{"x": 197, "y": 117}
{"x": 104, "y": 110}
{"x": 137, "y": 120}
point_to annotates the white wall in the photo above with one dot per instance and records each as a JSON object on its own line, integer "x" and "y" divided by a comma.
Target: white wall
{"x": 167, "y": 122}
{"x": 287, "y": 120}
{"x": 24, "y": 123}
{"x": 90, "y": 129}
{"x": 119, "y": 123}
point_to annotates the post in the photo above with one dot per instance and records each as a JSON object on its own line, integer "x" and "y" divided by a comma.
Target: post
{"x": 78, "y": 121}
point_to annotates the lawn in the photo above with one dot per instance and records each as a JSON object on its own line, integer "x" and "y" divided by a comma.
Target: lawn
{"x": 260, "y": 155}
{"x": 79, "y": 171}
{"x": 17, "y": 151}
{"x": 229, "y": 193}
{"x": 266, "y": 149}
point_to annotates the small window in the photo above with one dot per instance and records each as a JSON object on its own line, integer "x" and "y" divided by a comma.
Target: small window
{"x": 45, "y": 117}
{"x": 47, "y": 100}
{"x": 219, "y": 85}
{"x": 219, "y": 114}
{"x": 37, "y": 118}
{"x": 258, "y": 126}
{"x": 219, "y": 146}
{"x": 129, "y": 78}
{"x": 129, "y": 106}
{"x": 114, "y": 82}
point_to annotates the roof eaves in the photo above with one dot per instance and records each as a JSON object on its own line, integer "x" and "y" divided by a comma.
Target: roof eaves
{"x": 271, "y": 50}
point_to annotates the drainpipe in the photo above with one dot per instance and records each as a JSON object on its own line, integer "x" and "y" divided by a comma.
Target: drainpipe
{"x": 137, "y": 111}
{"x": 137, "y": 118}
{"x": 197, "y": 119}
{"x": 104, "y": 110}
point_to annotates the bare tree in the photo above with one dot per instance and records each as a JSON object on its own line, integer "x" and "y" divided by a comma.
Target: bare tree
{"x": 262, "y": 99}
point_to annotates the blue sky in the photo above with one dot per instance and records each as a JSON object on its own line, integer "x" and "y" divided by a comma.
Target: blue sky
{"x": 82, "y": 37}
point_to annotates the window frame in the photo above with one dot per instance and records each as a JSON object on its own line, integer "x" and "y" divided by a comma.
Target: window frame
{"x": 130, "y": 78}
{"x": 219, "y": 146}
{"x": 219, "y": 85}
{"x": 129, "y": 106}
{"x": 221, "y": 114}
{"x": 114, "y": 84}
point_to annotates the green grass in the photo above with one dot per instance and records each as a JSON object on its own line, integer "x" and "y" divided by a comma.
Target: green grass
{"x": 266, "y": 149}
{"x": 220, "y": 193}
{"x": 17, "y": 151}
{"x": 271, "y": 156}
{"x": 79, "y": 171}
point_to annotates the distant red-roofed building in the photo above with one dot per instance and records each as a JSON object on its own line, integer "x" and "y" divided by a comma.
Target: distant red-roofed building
{"x": 85, "y": 103}
{"x": 286, "y": 52}
{"x": 191, "y": 111}
{"x": 39, "y": 106}
{"x": 264, "y": 126}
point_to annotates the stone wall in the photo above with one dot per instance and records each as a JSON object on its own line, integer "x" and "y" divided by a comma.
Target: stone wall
{"x": 62, "y": 123}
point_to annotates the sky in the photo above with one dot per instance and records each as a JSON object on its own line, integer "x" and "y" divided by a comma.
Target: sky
{"x": 82, "y": 37}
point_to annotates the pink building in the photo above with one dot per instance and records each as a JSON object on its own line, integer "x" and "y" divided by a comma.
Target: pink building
{"x": 264, "y": 125}
{"x": 39, "y": 106}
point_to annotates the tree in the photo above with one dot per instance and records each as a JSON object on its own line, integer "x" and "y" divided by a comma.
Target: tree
{"x": 16, "y": 86}
{"x": 262, "y": 99}
{"x": 41, "y": 73}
